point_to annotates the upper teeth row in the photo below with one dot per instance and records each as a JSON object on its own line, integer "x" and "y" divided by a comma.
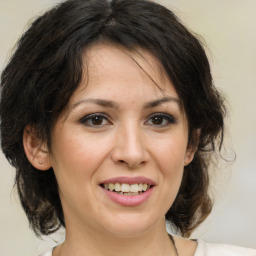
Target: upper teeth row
{"x": 126, "y": 187}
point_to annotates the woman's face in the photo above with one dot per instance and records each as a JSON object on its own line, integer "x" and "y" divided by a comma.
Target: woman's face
{"x": 119, "y": 148}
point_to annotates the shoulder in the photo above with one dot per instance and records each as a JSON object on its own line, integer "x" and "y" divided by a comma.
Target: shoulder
{"x": 47, "y": 253}
{"x": 201, "y": 248}
{"x": 208, "y": 249}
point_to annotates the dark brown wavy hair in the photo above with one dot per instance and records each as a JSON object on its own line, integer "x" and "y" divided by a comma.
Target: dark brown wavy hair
{"x": 47, "y": 66}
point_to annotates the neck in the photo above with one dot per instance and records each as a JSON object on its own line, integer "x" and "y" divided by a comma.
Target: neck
{"x": 150, "y": 243}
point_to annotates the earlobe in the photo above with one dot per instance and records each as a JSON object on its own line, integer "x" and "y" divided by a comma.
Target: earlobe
{"x": 192, "y": 148}
{"x": 189, "y": 157}
{"x": 35, "y": 150}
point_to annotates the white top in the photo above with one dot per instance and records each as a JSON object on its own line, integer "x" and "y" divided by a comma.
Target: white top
{"x": 207, "y": 249}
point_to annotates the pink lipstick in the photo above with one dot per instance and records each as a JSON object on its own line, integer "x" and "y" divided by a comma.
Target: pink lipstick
{"x": 128, "y": 191}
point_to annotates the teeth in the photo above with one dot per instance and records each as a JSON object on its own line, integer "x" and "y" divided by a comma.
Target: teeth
{"x": 111, "y": 187}
{"x": 106, "y": 186}
{"x": 126, "y": 188}
{"x": 134, "y": 188}
{"x": 117, "y": 187}
{"x": 129, "y": 194}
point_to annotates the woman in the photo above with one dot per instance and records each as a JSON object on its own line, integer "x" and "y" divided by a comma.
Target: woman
{"x": 110, "y": 117}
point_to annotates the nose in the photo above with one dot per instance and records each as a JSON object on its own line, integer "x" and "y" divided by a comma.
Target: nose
{"x": 130, "y": 147}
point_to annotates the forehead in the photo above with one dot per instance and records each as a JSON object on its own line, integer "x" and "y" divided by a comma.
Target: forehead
{"x": 110, "y": 70}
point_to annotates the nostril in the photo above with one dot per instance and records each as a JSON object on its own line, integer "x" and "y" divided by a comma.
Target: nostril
{"x": 122, "y": 162}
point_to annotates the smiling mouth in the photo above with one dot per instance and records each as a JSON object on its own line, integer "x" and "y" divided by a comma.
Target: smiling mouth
{"x": 126, "y": 189}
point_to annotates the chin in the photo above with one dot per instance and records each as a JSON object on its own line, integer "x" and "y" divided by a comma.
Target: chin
{"x": 130, "y": 225}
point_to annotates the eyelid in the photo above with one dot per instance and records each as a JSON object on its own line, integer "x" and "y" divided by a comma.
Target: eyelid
{"x": 85, "y": 118}
{"x": 170, "y": 118}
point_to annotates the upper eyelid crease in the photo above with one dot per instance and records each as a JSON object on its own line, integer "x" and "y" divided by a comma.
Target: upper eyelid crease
{"x": 100, "y": 102}
{"x": 94, "y": 115}
{"x": 170, "y": 118}
{"x": 84, "y": 119}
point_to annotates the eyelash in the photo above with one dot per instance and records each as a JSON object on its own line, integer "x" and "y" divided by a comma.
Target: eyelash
{"x": 167, "y": 117}
{"x": 88, "y": 119}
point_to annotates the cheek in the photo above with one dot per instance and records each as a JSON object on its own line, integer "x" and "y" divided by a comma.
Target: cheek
{"x": 172, "y": 166}
{"x": 171, "y": 153}
{"x": 76, "y": 157}
{"x": 75, "y": 160}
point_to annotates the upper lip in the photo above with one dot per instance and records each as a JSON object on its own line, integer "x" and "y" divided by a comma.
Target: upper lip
{"x": 129, "y": 180}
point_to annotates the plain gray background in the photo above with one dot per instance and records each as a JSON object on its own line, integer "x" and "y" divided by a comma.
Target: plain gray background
{"x": 228, "y": 28}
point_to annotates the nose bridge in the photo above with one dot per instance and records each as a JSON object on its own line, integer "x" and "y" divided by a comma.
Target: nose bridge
{"x": 132, "y": 138}
{"x": 130, "y": 145}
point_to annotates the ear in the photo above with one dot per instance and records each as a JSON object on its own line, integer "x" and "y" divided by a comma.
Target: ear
{"x": 35, "y": 150}
{"x": 192, "y": 148}
{"x": 189, "y": 155}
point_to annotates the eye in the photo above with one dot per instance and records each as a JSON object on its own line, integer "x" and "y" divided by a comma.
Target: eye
{"x": 161, "y": 120}
{"x": 97, "y": 120}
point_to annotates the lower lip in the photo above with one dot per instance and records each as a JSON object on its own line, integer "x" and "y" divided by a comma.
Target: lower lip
{"x": 129, "y": 200}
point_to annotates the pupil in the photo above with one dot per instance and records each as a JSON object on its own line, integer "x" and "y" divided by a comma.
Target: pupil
{"x": 157, "y": 120}
{"x": 97, "y": 120}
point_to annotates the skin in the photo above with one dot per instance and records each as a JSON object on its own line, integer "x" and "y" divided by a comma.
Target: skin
{"x": 131, "y": 139}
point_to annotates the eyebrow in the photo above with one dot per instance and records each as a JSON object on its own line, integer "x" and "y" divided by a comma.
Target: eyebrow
{"x": 155, "y": 103}
{"x": 112, "y": 104}
{"x": 100, "y": 102}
